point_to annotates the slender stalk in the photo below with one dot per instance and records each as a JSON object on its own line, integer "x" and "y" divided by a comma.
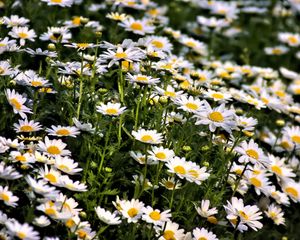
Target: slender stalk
{"x": 239, "y": 179}
{"x": 80, "y": 88}
{"x": 105, "y": 147}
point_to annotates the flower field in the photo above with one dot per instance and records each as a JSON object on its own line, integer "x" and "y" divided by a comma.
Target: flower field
{"x": 140, "y": 119}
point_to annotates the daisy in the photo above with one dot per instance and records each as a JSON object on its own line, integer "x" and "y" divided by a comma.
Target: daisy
{"x": 140, "y": 27}
{"x": 132, "y": 210}
{"x": 6, "y": 44}
{"x": 292, "y": 189}
{"x": 244, "y": 216}
{"x": 61, "y": 3}
{"x": 148, "y": 136}
{"x": 50, "y": 175}
{"x": 246, "y": 123}
{"x": 41, "y": 187}
{"x": 66, "y": 165}
{"x": 143, "y": 79}
{"x": 63, "y": 131}
{"x": 276, "y": 214}
{"x": 170, "y": 230}
{"x": 206, "y": 212}
{"x": 168, "y": 92}
{"x": 293, "y": 133}
{"x": 218, "y": 96}
{"x": 85, "y": 233}
{"x": 27, "y": 126}
{"x": 292, "y": 39}
{"x": 40, "y": 52}
{"x": 141, "y": 158}
{"x": 8, "y": 172}
{"x": 251, "y": 152}
{"x": 212, "y": 22}
{"x": 279, "y": 168}
{"x": 15, "y": 21}
{"x": 75, "y": 186}
{"x": 81, "y": 46}
{"x": 25, "y": 159}
{"x": 259, "y": 181}
{"x": 86, "y": 127}
{"x": 160, "y": 154}
{"x": 5, "y": 69}
{"x": 131, "y": 54}
{"x": 7, "y": 197}
{"x": 217, "y": 117}
{"x": 197, "y": 46}
{"x": 107, "y": 217}
{"x": 53, "y": 147}
{"x": 23, "y": 33}
{"x": 41, "y": 221}
{"x": 21, "y": 231}
{"x": 155, "y": 216}
{"x": 203, "y": 234}
{"x": 56, "y": 34}
{"x": 17, "y": 101}
{"x": 278, "y": 50}
{"x": 179, "y": 166}
{"x": 117, "y": 16}
{"x": 111, "y": 109}
{"x": 170, "y": 183}
{"x": 189, "y": 104}
{"x": 159, "y": 43}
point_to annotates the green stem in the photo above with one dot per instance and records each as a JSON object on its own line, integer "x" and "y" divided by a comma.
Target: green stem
{"x": 104, "y": 149}
{"x": 120, "y": 131}
{"x": 80, "y": 88}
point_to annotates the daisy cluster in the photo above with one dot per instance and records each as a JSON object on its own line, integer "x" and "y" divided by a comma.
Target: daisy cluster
{"x": 140, "y": 119}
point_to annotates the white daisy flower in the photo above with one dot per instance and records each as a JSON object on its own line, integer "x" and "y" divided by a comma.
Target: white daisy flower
{"x": 217, "y": 117}
{"x": 155, "y": 216}
{"x": 21, "y": 231}
{"x": 17, "y": 101}
{"x": 111, "y": 109}
{"x": 140, "y": 27}
{"x": 23, "y": 33}
{"x": 131, "y": 210}
{"x": 276, "y": 214}
{"x": 107, "y": 217}
{"x": 7, "y": 197}
{"x": 53, "y": 147}
{"x": 142, "y": 79}
{"x": 202, "y": 234}
{"x": 63, "y": 131}
{"x": 148, "y": 136}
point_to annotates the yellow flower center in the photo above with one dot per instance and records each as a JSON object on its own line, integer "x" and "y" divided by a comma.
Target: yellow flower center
{"x": 194, "y": 173}
{"x": 126, "y": 65}
{"x": 155, "y": 215}
{"x": 169, "y": 235}
{"x": 63, "y": 132}
{"x": 111, "y": 111}
{"x": 296, "y": 139}
{"x": 273, "y": 215}
{"x": 212, "y": 220}
{"x": 233, "y": 221}
{"x": 26, "y": 128}
{"x": 157, "y": 44}
{"x": 21, "y": 235}
{"x": 147, "y": 138}
{"x": 50, "y": 211}
{"x": 217, "y": 95}
{"x": 191, "y": 44}
{"x": 4, "y": 197}
{"x": 276, "y": 51}
{"x": 192, "y": 106}
{"x": 82, "y": 45}
{"x": 292, "y": 191}
{"x": 161, "y": 155}
{"x": 56, "y": 1}
{"x": 170, "y": 94}
{"x": 244, "y": 215}
{"x": 169, "y": 185}
{"x": 76, "y": 21}
{"x": 70, "y": 223}
{"x": 23, "y": 35}
{"x": 136, "y": 26}
{"x": 142, "y": 78}
{"x": 256, "y": 182}
{"x": 3, "y": 45}
{"x": 202, "y": 238}
{"x": 16, "y": 104}
{"x": 121, "y": 55}
{"x": 132, "y": 212}
{"x": 51, "y": 178}
{"x": 53, "y": 150}
{"x": 179, "y": 169}
{"x": 293, "y": 39}
{"x": 64, "y": 167}
{"x": 252, "y": 153}
{"x": 276, "y": 170}
{"x": 21, "y": 158}
{"x": 285, "y": 145}
{"x": 82, "y": 234}
{"x": 216, "y": 117}
{"x": 36, "y": 84}
{"x": 1, "y": 70}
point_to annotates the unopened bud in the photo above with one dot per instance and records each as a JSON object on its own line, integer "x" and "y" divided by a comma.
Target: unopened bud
{"x": 205, "y": 148}
{"x": 186, "y": 148}
{"x": 108, "y": 169}
{"x": 82, "y": 214}
{"x": 51, "y": 47}
{"x": 94, "y": 165}
{"x": 84, "y": 20}
{"x": 280, "y": 122}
